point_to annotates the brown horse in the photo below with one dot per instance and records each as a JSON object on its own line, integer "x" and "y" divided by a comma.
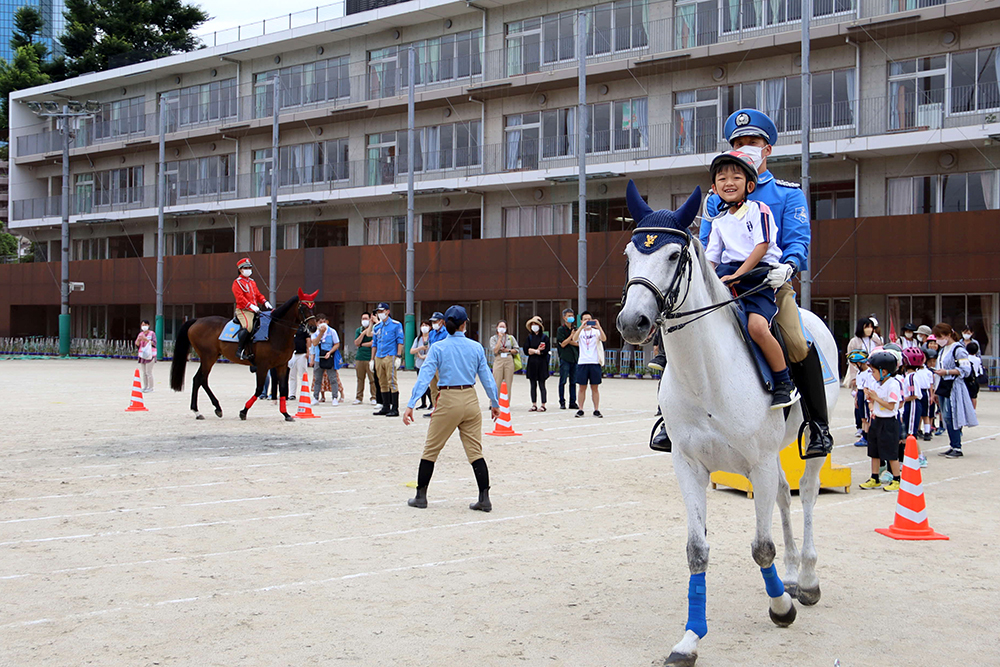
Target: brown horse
{"x": 203, "y": 334}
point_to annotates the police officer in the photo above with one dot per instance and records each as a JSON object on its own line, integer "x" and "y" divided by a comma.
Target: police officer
{"x": 457, "y": 361}
{"x": 437, "y": 333}
{"x": 753, "y": 133}
{"x": 387, "y": 346}
{"x": 248, "y": 302}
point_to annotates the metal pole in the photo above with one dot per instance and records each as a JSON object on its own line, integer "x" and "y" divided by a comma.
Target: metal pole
{"x": 804, "y": 279}
{"x": 410, "y": 320}
{"x": 64, "y": 320}
{"x": 161, "y": 196}
{"x": 273, "y": 263}
{"x": 581, "y": 157}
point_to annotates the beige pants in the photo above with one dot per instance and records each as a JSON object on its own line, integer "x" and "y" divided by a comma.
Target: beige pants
{"x": 434, "y": 390}
{"x": 788, "y": 321}
{"x": 503, "y": 371}
{"x": 385, "y": 370}
{"x": 245, "y": 317}
{"x": 456, "y": 408}
{"x": 146, "y": 371}
{"x": 363, "y": 369}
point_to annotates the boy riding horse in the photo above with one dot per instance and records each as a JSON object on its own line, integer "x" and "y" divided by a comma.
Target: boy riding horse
{"x": 248, "y": 303}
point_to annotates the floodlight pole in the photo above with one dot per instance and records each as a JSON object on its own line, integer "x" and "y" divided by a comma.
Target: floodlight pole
{"x": 64, "y": 320}
{"x": 273, "y": 260}
{"x": 410, "y": 318}
{"x": 581, "y": 156}
{"x": 804, "y": 277}
{"x": 161, "y": 196}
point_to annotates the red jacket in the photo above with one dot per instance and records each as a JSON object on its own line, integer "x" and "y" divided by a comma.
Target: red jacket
{"x": 246, "y": 293}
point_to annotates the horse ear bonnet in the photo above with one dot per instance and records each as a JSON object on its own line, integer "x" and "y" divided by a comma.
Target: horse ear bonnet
{"x": 307, "y": 297}
{"x": 644, "y": 216}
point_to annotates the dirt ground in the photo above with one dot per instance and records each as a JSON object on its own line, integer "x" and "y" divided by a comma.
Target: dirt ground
{"x": 154, "y": 539}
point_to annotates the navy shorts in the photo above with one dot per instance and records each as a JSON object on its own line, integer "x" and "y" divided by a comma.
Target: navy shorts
{"x": 883, "y": 438}
{"x": 761, "y": 302}
{"x": 588, "y": 374}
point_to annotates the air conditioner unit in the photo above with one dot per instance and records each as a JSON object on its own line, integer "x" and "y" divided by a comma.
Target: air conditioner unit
{"x": 930, "y": 115}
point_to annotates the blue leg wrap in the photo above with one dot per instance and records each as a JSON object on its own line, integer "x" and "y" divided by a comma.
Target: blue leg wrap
{"x": 696, "y": 605}
{"x": 772, "y": 582}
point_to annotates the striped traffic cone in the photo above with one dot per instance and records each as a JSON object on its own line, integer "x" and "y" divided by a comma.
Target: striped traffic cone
{"x": 503, "y": 426}
{"x": 911, "y": 512}
{"x": 137, "y": 405}
{"x": 305, "y": 403}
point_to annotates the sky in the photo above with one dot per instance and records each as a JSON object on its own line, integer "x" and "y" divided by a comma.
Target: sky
{"x": 231, "y": 13}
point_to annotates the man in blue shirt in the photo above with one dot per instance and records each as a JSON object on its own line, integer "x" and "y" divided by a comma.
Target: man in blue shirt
{"x": 457, "y": 361}
{"x": 387, "y": 346}
{"x": 437, "y": 333}
{"x": 752, "y": 132}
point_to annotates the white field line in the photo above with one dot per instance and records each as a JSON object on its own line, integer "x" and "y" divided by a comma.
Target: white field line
{"x": 892, "y": 496}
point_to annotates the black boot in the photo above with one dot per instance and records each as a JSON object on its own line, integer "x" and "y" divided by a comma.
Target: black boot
{"x": 808, "y": 376}
{"x": 483, "y": 480}
{"x": 423, "y": 479}
{"x": 384, "y": 399}
{"x": 659, "y": 441}
{"x": 242, "y": 345}
{"x": 393, "y": 405}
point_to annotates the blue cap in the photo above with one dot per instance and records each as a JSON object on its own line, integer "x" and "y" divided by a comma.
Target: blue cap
{"x": 644, "y": 217}
{"x": 382, "y": 306}
{"x": 456, "y": 313}
{"x": 750, "y": 122}
{"x": 438, "y": 315}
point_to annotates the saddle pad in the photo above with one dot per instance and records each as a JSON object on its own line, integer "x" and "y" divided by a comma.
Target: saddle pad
{"x": 229, "y": 332}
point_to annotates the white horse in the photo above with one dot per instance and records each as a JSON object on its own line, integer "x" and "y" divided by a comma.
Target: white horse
{"x": 717, "y": 412}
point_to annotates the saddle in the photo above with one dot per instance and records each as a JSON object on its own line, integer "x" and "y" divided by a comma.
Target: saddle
{"x": 261, "y": 327}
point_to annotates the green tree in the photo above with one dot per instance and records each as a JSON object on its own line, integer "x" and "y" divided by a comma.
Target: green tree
{"x": 102, "y": 34}
{"x": 8, "y": 244}
{"x": 28, "y": 24}
{"x": 24, "y": 71}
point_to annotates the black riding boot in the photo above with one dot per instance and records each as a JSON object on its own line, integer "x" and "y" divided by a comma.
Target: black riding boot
{"x": 483, "y": 480}
{"x": 808, "y": 376}
{"x": 243, "y": 346}
{"x": 393, "y": 405}
{"x": 661, "y": 441}
{"x": 423, "y": 479}
{"x": 385, "y": 398}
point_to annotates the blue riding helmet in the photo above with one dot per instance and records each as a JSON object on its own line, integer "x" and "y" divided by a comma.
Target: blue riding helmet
{"x": 750, "y": 122}
{"x": 857, "y": 357}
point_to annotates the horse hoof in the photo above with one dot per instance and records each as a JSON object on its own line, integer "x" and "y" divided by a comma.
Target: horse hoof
{"x": 218, "y": 413}
{"x": 783, "y": 620}
{"x": 243, "y": 415}
{"x": 792, "y": 588}
{"x": 199, "y": 417}
{"x": 808, "y": 596}
{"x": 676, "y": 659}
{"x": 288, "y": 417}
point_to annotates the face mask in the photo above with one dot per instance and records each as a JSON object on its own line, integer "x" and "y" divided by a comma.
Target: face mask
{"x": 365, "y": 323}
{"x": 909, "y": 335}
{"x": 437, "y": 326}
{"x": 322, "y": 325}
{"x": 921, "y": 337}
{"x": 755, "y": 153}
{"x": 425, "y": 329}
{"x": 534, "y": 328}
{"x": 570, "y": 319}
{"x": 501, "y": 330}
{"x": 145, "y": 327}
{"x": 382, "y": 316}
{"x": 967, "y": 336}
{"x": 246, "y": 273}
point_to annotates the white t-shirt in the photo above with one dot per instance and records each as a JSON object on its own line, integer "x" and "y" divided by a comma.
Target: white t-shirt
{"x": 735, "y": 234}
{"x": 977, "y": 365}
{"x": 905, "y": 342}
{"x": 924, "y": 378}
{"x": 890, "y": 391}
{"x": 865, "y": 380}
{"x": 589, "y": 338}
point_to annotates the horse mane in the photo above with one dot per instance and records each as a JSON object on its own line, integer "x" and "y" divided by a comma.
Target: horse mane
{"x": 716, "y": 290}
{"x": 283, "y": 309}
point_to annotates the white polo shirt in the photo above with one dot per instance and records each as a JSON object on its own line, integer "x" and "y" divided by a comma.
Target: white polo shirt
{"x": 735, "y": 234}
{"x": 890, "y": 391}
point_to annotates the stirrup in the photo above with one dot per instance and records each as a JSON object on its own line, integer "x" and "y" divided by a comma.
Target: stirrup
{"x": 803, "y": 453}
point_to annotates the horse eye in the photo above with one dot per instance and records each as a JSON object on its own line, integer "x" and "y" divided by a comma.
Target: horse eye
{"x": 674, "y": 255}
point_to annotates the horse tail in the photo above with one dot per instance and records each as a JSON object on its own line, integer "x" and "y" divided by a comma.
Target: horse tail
{"x": 181, "y": 348}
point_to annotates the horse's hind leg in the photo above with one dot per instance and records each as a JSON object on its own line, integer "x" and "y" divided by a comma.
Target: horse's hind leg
{"x": 765, "y": 487}
{"x": 791, "y": 578}
{"x": 693, "y": 480}
{"x": 196, "y": 382}
{"x": 207, "y": 368}
{"x": 808, "y": 593}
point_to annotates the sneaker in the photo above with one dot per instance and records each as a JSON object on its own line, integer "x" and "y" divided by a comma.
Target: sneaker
{"x": 885, "y": 477}
{"x": 597, "y": 413}
{"x": 922, "y": 461}
{"x": 939, "y": 431}
{"x": 562, "y": 406}
{"x": 954, "y": 454}
{"x": 859, "y": 433}
{"x": 945, "y": 452}
{"x": 356, "y": 402}
{"x": 863, "y": 442}
{"x": 893, "y": 485}
{"x": 334, "y": 401}
{"x": 784, "y": 395}
{"x": 657, "y": 363}
{"x": 579, "y": 413}
{"x": 374, "y": 402}
{"x": 870, "y": 484}
{"x": 429, "y": 414}
{"x": 574, "y": 406}
{"x": 927, "y": 437}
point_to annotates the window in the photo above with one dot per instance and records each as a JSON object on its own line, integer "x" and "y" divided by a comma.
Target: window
{"x": 303, "y": 85}
{"x": 212, "y": 241}
{"x": 976, "y": 191}
{"x": 833, "y": 99}
{"x": 323, "y": 233}
{"x": 119, "y": 186}
{"x": 120, "y": 247}
{"x": 783, "y": 102}
{"x": 300, "y": 164}
{"x": 382, "y": 158}
{"x": 696, "y": 24}
{"x": 288, "y": 238}
{"x": 84, "y": 249}
{"x": 336, "y": 160}
{"x": 83, "y": 197}
{"x": 968, "y": 192}
{"x": 262, "y": 172}
{"x": 178, "y": 243}
{"x": 387, "y": 230}
{"x": 604, "y": 215}
{"x": 974, "y": 76}
{"x": 832, "y": 201}
{"x": 212, "y": 175}
{"x": 119, "y": 119}
{"x": 976, "y": 310}
{"x": 917, "y": 92}
{"x": 451, "y": 225}
{"x": 538, "y": 220}
{"x": 440, "y": 59}
{"x": 696, "y": 121}
{"x": 441, "y": 146}
{"x": 200, "y": 104}
{"x": 751, "y": 14}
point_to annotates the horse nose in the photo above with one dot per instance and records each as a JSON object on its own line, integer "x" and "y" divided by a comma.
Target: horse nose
{"x": 642, "y": 323}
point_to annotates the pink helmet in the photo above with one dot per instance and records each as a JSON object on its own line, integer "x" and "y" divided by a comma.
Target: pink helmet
{"x": 914, "y": 357}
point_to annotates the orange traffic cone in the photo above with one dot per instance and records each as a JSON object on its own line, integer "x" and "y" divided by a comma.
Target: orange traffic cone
{"x": 503, "y": 426}
{"x": 911, "y": 512}
{"x": 137, "y": 405}
{"x": 305, "y": 403}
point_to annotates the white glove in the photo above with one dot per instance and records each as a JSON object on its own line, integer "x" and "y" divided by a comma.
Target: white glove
{"x": 397, "y": 363}
{"x": 267, "y": 304}
{"x": 779, "y": 275}
{"x": 254, "y": 308}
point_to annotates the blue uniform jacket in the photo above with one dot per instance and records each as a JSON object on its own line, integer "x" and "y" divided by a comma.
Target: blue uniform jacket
{"x": 434, "y": 336}
{"x": 791, "y": 214}
{"x": 386, "y": 336}
{"x": 457, "y": 360}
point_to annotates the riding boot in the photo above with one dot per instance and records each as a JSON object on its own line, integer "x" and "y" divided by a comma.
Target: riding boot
{"x": 243, "y": 342}
{"x": 386, "y": 405}
{"x": 483, "y": 481}
{"x": 808, "y": 376}
{"x": 393, "y": 405}
{"x": 659, "y": 440}
{"x": 423, "y": 479}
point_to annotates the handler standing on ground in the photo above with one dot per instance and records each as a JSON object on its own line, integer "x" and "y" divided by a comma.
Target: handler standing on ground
{"x": 457, "y": 361}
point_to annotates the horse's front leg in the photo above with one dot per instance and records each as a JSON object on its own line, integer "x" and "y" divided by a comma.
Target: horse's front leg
{"x": 808, "y": 593}
{"x": 791, "y": 559}
{"x": 282, "y": 372}
{"x": 693, "y": 481}
{"x": 765, "y": 490}
{"x": 261, "y": 375}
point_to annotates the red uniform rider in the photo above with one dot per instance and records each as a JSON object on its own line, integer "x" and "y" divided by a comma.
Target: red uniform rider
{"x": 248, "y": 303}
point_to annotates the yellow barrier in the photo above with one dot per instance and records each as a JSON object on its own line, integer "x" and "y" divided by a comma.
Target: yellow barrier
{"x": 830, "y": 476}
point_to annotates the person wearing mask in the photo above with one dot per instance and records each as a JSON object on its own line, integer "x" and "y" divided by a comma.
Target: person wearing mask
{"x": 588, "y": 369}
{"x": 909, "y": 338}
{"x": 421, "y": 346}
{"x": 326, "y": 342}
{"x": 978, "y": 374}
{"x": 866, "y": 340}
{"x": 536, "y": 348}
{"x": 953, "y": 368}
{"x": 569, "y": 352}
{"x": 387, "y": 346}
{"x": 503, "y": 346}
{"x": 145, "y": 342}
{"x": 438, "y": 333}
{"x": 248, "y": 302}
{"x": 363, "y": 358}
{"x": 457, "y": 361}
{"x": 923, "y": 331}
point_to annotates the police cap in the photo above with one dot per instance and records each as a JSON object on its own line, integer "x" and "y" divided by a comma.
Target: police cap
{"x": 750, "y": 122}
{"x": 437, "y": 316}
{"x": 456, "y": 313}
{"x": 382, "y": 306}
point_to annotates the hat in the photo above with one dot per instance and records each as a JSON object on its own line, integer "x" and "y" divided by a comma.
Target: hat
{"x": 537, "y": 319}
{"x": 874, "y": 321}
{"x": 924, "y": 330}
{"x": 909, "y": 327}
{"x": 381, "y": 306}
{"x": 438, "y": 315}
{"x": 645, "y": 216}
{"x": 456, "y": 313}
{"x": 244, "y": 262}
{"x": 750, "y": 123}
